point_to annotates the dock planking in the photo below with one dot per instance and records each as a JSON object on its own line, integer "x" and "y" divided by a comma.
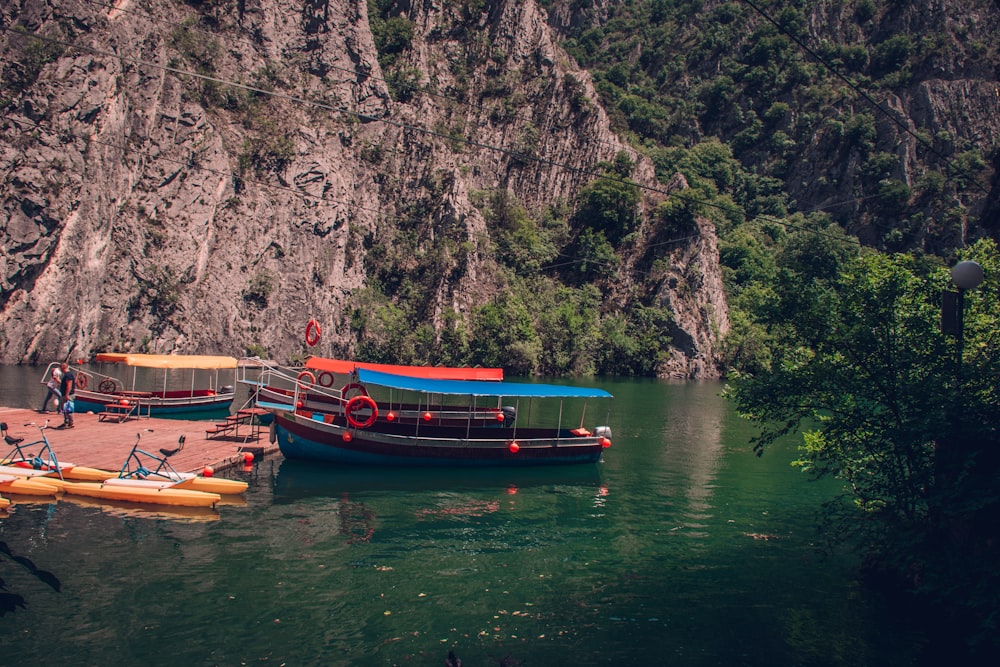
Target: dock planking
{"x": 106, "y": 444}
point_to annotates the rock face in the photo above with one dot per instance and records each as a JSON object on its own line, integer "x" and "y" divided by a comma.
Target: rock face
{"x": 206, "y": 177}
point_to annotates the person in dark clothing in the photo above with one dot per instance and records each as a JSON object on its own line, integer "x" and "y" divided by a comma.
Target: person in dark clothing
{"x": 68, "y": 389}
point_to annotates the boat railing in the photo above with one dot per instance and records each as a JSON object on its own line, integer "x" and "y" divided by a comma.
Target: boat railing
{"x": 297, "y": 380}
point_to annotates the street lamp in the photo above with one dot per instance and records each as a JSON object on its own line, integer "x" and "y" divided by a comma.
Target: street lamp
{"x": 966, "y": 275}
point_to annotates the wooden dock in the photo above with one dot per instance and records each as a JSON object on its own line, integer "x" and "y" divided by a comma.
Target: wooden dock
{"x": 106, "y": 444}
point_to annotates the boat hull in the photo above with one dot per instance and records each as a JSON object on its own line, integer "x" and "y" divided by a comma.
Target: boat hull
{"x": 302, "y": 437}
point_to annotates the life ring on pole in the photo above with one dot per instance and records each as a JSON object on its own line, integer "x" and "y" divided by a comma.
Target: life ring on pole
{"x": 107, "y": 386}
{"x": 350, "y": 386}
{"x": 312, "y": 333}
{"x": 357, "y": 403}
{"x": 306, "y": 380}
{"x": 81, "y": 380}
{"x": 326, "y": 379}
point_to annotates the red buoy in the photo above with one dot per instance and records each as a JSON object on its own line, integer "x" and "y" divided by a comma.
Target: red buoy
{"x": 247, "y": 458}
{"x": 312, "y": 332}
{"x": 347, "y": 436}
{"x": 428, "y": 416}
{"x": 207, "y": 471}
{"x": 605, "y": 443}
{"x": 500, "y": 417}
{"x": 514, "y": 447}
{"x": 390, "y": 416}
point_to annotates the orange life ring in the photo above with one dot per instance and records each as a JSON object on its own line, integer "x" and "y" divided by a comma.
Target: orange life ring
{"x": 312, "y": 333}
{"x": 306, "y": 380}
{"x": 356, "y": 403}
{"x": 326, "y": 379}
{"x": 353, "y": 385}
{"x": 81, "y": 380}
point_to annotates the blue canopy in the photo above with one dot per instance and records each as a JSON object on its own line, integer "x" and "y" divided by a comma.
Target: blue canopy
{"x": 477, "y": 387}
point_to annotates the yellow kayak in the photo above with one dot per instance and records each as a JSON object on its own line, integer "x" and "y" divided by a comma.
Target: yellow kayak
{"x": 83, "y": 474}
{"x": 223, "y": 487}
{"x": 220, "y": 485}
{"x": 68, "y": 470}
{"x": 192, "y": 482}
{"x": 28, "y": 486}
{"x": 152, "y": 494}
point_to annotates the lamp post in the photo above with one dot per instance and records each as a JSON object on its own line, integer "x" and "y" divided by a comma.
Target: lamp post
{"x": 966, "y": 275}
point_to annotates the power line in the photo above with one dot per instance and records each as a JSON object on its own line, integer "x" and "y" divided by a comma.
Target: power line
{"x": 415, "y": 128}
{"x": 187, "y": 164}
{"x": 360, "y": 116}
{"x": 358, "y": 74}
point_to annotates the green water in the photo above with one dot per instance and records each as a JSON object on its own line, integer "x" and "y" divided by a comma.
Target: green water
{"x": 681, "y": 548}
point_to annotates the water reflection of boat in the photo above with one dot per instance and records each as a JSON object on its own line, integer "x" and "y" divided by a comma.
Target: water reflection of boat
{"x": 300, "y": 479}
{"x": 199, "y": 375}
{"x": 143, "y": 511}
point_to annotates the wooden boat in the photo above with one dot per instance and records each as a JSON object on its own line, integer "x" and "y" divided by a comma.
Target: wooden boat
{"x": 370, "y": 428}
{"x": 115, "y": 396}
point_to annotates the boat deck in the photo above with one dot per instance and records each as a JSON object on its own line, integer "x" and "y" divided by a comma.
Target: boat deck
{"x": 106, "y": 444}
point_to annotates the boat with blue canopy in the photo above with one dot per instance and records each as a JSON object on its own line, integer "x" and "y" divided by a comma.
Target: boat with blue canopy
{"x": 395, "y": 419}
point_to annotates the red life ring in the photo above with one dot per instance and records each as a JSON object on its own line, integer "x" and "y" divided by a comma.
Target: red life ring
{"x": 359, "y": 402}
{"x": 312, "y": 333}
{"x": 306, "y": 380}
{"x": 326, "y": 379}
{"x": 81, "y": 380}
{"x": 352, "y": 385}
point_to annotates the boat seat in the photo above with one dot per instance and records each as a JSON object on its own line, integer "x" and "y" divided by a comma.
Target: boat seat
{"x": 8, "y": 438}
{"x": 167, "y": 453}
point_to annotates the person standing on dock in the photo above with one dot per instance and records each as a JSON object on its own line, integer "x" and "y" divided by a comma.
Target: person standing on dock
{"x": 68, "y": 389}
{"x": 54, "y": 384}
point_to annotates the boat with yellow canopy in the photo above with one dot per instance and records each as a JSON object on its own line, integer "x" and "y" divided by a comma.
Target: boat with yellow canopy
{"x": 160, "y": 385}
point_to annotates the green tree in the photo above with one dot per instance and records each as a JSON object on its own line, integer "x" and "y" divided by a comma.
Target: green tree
{"x": 503, "y": 336}
{"x": 609, "y": 205}
{"x": 911, "y": 427}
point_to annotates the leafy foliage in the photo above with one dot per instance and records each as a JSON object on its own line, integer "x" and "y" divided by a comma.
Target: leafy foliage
{"x": 889, "y": 407}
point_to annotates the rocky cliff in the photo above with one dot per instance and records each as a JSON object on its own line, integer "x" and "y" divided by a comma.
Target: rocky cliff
{"x": 206, "y": 177}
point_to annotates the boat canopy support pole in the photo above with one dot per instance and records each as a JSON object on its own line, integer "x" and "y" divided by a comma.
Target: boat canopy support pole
{"x": 559, "y": 425}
